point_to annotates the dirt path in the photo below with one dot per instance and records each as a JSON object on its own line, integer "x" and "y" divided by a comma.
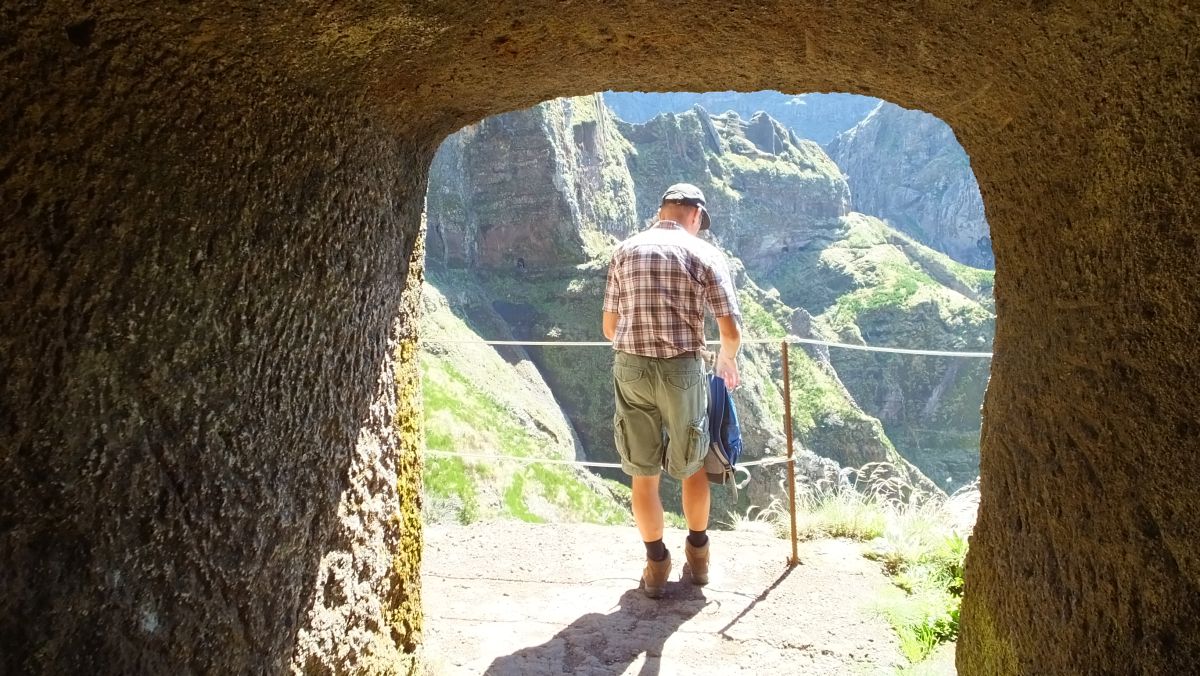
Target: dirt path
{"x": 514, "y": 598}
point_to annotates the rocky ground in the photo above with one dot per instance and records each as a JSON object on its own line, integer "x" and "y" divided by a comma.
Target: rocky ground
{"x": 513, "y": 598}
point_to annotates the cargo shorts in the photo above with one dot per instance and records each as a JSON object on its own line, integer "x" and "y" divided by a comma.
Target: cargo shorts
{"x": 661, "y": 419}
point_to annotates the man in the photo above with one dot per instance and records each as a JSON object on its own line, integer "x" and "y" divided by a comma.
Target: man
{"x": 659, "y": 283}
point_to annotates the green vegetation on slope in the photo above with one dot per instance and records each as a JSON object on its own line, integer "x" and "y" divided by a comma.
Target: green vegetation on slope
{"x": 461, "y": 417}
{"x": 888, "y": 277}
{"x": 877, "y": 286}
{"x": 757, "y": 322}
{"x": 476, "y": 404}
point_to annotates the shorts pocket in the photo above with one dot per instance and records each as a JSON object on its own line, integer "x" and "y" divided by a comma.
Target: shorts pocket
{"x": 619, "y": 437}
{"x": 682, "y": 381}
{"x": 697, "y": 441}
{"x": 627, "y": 374}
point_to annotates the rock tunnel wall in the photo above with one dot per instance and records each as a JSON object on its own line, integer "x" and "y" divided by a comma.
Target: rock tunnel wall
{"x": 209, "y": 216}
{"x": 204, "y": 254}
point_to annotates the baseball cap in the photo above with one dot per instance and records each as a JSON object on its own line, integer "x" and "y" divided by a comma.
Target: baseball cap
{"x": 687, "y": 193}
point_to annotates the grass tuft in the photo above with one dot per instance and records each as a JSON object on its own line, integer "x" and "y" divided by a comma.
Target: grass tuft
{"x": 919, "y": 538}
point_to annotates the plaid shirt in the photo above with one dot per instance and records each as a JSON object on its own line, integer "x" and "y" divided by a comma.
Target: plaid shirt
{"x": 659, "y": 282}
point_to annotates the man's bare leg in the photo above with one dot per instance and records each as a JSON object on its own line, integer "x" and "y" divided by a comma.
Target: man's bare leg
{"x": 696, "y": 501}
{"x": 648, "y": 513}
{"x": 647, "y": 508}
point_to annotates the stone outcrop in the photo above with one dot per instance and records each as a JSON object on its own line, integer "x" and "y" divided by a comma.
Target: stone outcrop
{"x": 906, "y": 167}
{"x": 209, "y": 213}
{"x": 521, "y": 191}
{"x": 752, "y": 173}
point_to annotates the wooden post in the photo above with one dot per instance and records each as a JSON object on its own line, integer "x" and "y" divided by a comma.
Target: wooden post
{"x": 791, "y": 454}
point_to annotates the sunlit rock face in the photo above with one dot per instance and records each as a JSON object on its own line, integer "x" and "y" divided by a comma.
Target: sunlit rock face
{"x": 516, "y": 191}
{"x": 210, "y": 214}
{"x": 766, "y": 188}
{"x": 928, "y": 191}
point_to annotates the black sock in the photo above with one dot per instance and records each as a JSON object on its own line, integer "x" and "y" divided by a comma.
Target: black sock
{"x": 698, "y": 538}
{"x": 656, "y": 551}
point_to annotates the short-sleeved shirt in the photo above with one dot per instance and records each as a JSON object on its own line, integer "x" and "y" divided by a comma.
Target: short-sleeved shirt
{"x": 659, "y": 283}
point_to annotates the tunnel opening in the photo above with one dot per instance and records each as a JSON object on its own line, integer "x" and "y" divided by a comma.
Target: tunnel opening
{"x": 872, "y": 233}
{"x": 211, "y": 226}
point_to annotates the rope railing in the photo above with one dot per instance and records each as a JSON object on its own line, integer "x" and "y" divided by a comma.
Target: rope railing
{"x": 793, "y": 340}
{"x": 789, "y": 460}
{"x": 477, "y": 455}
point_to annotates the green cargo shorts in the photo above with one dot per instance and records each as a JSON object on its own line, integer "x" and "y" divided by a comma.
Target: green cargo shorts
{"x": 657, "y": 396}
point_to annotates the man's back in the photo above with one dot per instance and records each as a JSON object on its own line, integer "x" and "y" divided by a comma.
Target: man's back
{"x": 660, "y": 282}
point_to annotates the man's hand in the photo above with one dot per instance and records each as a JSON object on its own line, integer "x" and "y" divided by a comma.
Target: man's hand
{"x": 727, "y": 370}
{"x": 731, "y": 342}
{"x": 608, "y": 324}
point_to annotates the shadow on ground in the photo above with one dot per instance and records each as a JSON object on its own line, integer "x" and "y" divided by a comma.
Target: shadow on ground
{"x": 499, "y": 601}
{"x": 609, "y": 643}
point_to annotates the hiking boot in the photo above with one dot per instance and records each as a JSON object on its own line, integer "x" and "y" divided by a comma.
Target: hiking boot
{"x": 654, "y": 577}
{"x": 697, "y": 563}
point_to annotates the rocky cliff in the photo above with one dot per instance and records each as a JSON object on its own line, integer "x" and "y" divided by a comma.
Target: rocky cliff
{"x": 527, "y": 190}
{"x": 874, "y": 285}
{"x": 906, "y": 167}
{"x": 768, "y": 190}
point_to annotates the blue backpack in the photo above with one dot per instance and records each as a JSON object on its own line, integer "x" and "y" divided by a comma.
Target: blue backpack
{"x": 725, "y": 437}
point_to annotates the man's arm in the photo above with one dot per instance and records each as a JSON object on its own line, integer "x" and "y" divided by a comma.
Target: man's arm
{"x": 731, "y": 342}
{"x": 722, "y": 298}
{"x": 612, "y": 301}
{"x": 610, "y": 324}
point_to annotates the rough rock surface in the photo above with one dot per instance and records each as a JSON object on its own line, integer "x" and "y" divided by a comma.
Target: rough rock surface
{"x": 209, "y": 214}
{"x": 928, "y": 191}
{"x": 203, "y": 268}
{"x": 499, "y": 602}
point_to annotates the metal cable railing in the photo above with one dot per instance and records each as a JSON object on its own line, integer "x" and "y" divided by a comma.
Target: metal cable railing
{"x": 789, "y": 460}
